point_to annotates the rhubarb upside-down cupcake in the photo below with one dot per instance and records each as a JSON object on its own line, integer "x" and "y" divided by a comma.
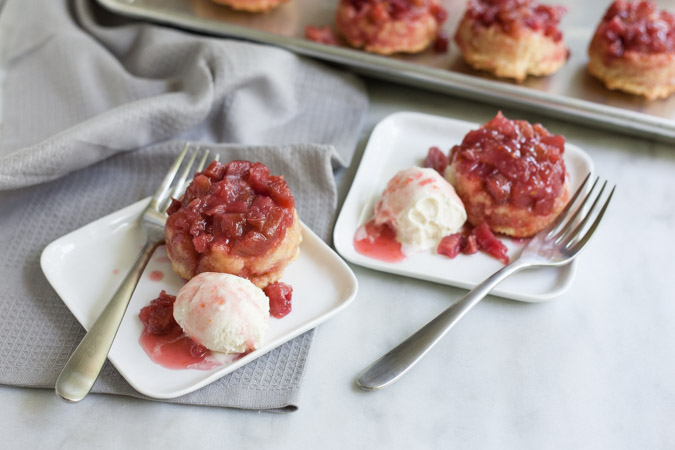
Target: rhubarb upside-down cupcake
{"x": 511, "y": 175}
{"x": 512, "y": 38}
{"x": 234, "y": 218}
{"x": 633, "y": 49}
{"x": 253, "y": 6}
{"x": 390, "y": 26}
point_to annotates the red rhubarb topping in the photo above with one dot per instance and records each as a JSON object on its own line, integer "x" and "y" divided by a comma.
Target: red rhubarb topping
{"x": 379, "y": 11}
{"x": 515, "y": 15}
{"x": 516, "y": 162}
{"x": 637, "y": 26}
{"x": 238, "y": 205}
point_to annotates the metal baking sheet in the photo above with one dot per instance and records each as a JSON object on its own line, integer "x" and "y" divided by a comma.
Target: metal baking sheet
{"x": 571, "y": 93}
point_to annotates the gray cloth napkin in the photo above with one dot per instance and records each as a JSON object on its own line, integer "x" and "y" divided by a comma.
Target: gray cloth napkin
{"x": 77, "y": 92}
{"x": 81, "y": 91}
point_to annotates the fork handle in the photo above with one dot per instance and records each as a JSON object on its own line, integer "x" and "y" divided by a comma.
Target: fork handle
{"x": 85, "y": 364}
{"x": 393, "y": 365}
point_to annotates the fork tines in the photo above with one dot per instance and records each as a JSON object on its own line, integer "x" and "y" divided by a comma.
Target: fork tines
{"x": 172, "y": 186}
{"x": 578, "y": 221}
{"x": 179, "y": 186}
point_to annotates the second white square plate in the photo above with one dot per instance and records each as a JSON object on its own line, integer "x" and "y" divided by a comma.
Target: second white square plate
{"x": 402, "y": 140}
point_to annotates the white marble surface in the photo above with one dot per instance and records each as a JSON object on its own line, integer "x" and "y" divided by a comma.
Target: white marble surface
{"x": 592, "y": 369}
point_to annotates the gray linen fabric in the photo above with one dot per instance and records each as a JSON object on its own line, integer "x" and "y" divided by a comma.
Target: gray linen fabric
{"x": 81, "y": 92}
{"x": 78, "y": 92}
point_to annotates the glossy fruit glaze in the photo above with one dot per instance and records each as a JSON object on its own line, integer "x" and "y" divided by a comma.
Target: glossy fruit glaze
{"x": 469, "y": 241}
{"x": 637, "y": 26}
{"x": 516, "y": 162}
{"x": 164, "y": 341}
{"x": 513, "y": 16}
{"x": 380, "y": 11}
{"x": 239, "y": 205}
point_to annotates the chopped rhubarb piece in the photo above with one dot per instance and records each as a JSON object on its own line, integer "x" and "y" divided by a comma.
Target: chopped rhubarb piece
{"x": 499, "y": 187}
{"x": 273, "y": 222}
{"x": 469, "y": 241}
{"x": 470, "y": 245}
{"x": 262, "y": 203}
{"x": 258, "y": 177}
{"x": 255, "y": 219}
{"x": 280, "y": 193}
{"x": 200, "y": 186}
{"x": 214, "y": 171}
{"x": 158, "y": 316}
{"x": 230, "y": 225}
{"x": 451, "y": 245}
{"x": 253, "y": 244}
{"x": 201, "y": 242}
{"x": 280, "y": 295}
{"x": 436, "y": 160}
{"x": 489, "y": 243}
{"x": 173, "y": 207}
{"x": 237, "y": 168}
{"x": 441, "y": 43}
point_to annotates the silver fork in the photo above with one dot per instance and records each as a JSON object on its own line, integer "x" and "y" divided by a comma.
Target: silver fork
{"x": 85, "y": 364}
{"x": 556, "y": 245}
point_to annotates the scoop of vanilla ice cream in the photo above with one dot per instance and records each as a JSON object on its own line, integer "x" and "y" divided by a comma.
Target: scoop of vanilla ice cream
{"x": 222, "y": 312}
{"x": 421, "y": 207}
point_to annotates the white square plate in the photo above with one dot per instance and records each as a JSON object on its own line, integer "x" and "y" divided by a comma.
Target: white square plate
{"x": 86, "y": 266}
{"x": 402, "y": 140}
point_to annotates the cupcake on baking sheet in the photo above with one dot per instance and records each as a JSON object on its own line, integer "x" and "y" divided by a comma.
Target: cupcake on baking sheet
{"x": 253, "y": 6}
{"x": 511, "y": 175}
{"x": 234, "y": 218}
{"x": 633, "y": 49}
{"x": 512, "y": 38}
{"x": 390, "y": 26}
